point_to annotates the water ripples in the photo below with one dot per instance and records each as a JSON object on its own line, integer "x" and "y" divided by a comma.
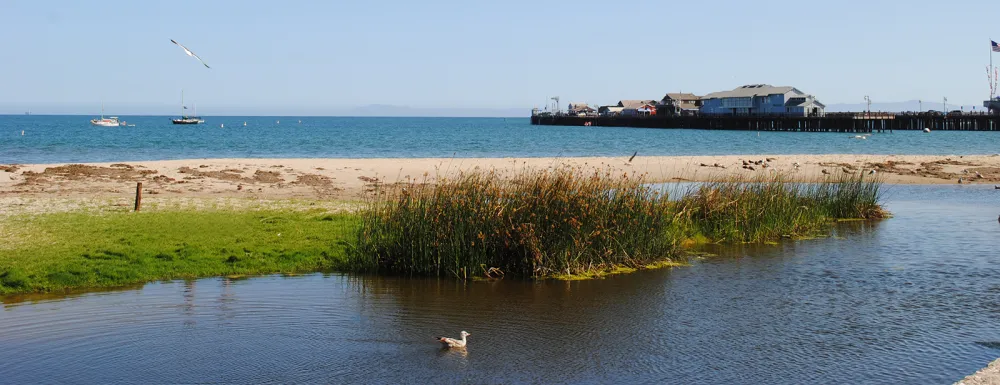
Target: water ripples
{"x": 909, "y": 300}
{"x": 59, "y": 139}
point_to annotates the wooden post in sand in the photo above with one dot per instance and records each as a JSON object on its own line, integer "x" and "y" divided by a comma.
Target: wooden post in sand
{"x": 138, "y": 195}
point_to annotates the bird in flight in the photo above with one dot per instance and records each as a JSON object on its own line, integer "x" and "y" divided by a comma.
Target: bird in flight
{"x": 189, "y": 53}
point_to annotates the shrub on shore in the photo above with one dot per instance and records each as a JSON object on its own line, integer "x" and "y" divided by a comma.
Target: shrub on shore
{"x": 759, "y": 209}
{"x": 532, "y": 224}
{"x": 565, "y": 221}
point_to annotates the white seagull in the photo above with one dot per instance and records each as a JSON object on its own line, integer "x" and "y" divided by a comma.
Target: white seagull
{"x": 189, "y": 53}
{"x": 454, "y": 342}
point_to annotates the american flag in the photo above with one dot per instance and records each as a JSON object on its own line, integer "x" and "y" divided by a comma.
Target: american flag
{"x": 996, "y": 48}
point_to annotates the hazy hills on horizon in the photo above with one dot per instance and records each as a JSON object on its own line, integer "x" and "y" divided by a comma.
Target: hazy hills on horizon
{"x": 363, "y": 111}
{"x": 388, "y": 110}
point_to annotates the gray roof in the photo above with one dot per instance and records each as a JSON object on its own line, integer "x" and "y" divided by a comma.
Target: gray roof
{"x": 804, "y": 100}
{"x": 635, "y": 103}
{"x": 751, "y": 91}
{"x": 681, "y": 96}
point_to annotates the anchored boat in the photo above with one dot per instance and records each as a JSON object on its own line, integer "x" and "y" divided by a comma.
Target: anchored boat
{"x": 184, "y": 119}
{"x": 111, "y": 121}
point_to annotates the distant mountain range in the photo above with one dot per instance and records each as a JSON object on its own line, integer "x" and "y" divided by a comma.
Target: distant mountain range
{"x": 400, "y": 111}
{"x": 912, "y": 105}
{"x": 391, "y": 110}
{"x": 210, "y": 110}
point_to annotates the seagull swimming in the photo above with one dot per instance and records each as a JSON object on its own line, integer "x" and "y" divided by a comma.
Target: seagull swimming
{"x": 454, "y": 342}
{"x": 189, "y": 53}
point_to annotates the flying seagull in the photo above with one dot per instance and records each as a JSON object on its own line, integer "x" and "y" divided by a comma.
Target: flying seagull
{"x": 189, "y": 53}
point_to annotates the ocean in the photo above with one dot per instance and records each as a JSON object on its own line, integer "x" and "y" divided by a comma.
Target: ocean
{"x": 63, "y": 139}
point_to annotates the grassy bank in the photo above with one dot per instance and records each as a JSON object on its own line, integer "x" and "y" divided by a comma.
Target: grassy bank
{"x": 49, "y": 252}
{"x": 562, "y": 224}
{"x": 566, "y": 222}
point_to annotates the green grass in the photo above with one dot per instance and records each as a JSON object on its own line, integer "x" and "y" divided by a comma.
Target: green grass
{"x": 52, "y": 252}
{"x": 563, "y": 223}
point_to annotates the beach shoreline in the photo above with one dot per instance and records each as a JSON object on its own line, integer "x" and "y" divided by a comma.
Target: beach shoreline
{"x": 349, "y": 178}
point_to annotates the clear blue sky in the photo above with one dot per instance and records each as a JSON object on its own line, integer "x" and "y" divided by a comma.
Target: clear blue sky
{"x": 286, "y": 57}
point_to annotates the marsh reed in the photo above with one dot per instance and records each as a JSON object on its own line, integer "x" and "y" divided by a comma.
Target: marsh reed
{"x": 567, "y": 221}
{"x": 764, "y": 208}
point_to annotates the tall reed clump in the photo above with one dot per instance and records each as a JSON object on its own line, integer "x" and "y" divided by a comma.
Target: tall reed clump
{"x": 853, "y": 196}
{"x": 531, "y": 224}
{"x": 759, "y": 209}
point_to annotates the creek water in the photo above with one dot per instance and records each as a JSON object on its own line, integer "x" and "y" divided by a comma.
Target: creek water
{"x": 914, "y": 299}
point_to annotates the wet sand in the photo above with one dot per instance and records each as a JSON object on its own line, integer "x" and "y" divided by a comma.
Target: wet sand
{"x": 348, "y": 179}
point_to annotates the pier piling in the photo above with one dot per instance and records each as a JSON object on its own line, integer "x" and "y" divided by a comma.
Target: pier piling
{"x": 832, "y": 122}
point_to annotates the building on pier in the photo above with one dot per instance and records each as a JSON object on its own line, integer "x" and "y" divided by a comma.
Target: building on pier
{"x": 762, "y": 99}
{"x": 993, "y": 106}
{"x": 637, "y": 107}
{"x": 580, "y": 109}
{"x": 681, "y": 104}
{"x": 609, "y": 110}
{"x": 804, "y": 106}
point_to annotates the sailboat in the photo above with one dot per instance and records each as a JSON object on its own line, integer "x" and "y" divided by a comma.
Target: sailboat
{"x": 188, "y": 119}
{"x": 111, "y": 121}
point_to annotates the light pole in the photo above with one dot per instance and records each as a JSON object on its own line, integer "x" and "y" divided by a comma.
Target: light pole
{"x": 944, "y": 106}
{"x": 921, "y": 105}
{"x": 869, "y": 101}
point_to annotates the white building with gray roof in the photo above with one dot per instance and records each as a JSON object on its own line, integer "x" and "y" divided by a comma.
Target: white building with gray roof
{"x": 762, "y": 99}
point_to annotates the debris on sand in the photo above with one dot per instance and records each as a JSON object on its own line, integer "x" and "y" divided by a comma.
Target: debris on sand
{"x": 234, "y": 175}
{"x": 84, "y": 172}
{"x": 267, "y": 176}
{"x": 322, "y": 185}
{"x": 313, "y": 180}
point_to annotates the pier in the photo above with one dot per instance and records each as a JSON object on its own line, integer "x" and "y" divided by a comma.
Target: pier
{"x": 831, "y": 122}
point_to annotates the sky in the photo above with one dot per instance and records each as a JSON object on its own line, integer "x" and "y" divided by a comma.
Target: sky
{"x": 331, "y": 57}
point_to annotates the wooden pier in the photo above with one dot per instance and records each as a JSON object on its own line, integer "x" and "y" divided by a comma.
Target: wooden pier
{"x": 839, "y": 122}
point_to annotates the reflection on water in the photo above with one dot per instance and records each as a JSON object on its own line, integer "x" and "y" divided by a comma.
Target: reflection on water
{"x": 913, "y": 299}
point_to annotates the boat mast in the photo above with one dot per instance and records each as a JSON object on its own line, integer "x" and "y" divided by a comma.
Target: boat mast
{"x": 182, "y": 103}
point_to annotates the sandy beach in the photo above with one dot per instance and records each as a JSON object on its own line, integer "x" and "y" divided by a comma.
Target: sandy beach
{"x": 348, "y": 179}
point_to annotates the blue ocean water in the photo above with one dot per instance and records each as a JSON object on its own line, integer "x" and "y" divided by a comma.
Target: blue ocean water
{"x": 57, "y": 139}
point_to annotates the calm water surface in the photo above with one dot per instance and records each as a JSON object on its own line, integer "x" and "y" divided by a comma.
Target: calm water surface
{"x": 910, "y": 300}
{"x": 57, "y": 139}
